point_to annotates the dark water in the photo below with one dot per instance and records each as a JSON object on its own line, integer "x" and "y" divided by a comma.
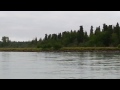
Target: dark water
{"x": 64, "y": 65}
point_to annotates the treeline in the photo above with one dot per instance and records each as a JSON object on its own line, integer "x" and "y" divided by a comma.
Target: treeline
{"x": 108, "y": 36}
{"x": 7, "y": 43}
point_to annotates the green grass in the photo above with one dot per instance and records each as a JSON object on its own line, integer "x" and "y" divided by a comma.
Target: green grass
{"x": 80, "y": 49}
{"x": 20, "y": 49}
{"x": 64, "y": 49}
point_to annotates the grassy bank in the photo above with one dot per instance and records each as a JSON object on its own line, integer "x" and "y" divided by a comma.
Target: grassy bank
{"x": 20, "y": 49}
{"x": 89, "y": 49}
{"x": 64, "y": 49}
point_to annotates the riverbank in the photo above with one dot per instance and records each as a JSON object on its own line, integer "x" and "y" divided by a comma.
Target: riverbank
{"x": 64, "y": 49}
{"x": 20, "y": 49}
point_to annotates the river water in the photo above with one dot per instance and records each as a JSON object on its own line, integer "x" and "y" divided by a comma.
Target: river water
{"x": 59, "y": 65}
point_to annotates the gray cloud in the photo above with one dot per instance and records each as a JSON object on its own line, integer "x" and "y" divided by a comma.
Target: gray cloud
{"x": 26, "y": 25}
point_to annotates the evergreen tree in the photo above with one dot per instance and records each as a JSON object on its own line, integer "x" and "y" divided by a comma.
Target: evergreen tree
{"x": 91, "y": 31}
{"x": 106, "y": 37}
{"x": 46, "y": 37}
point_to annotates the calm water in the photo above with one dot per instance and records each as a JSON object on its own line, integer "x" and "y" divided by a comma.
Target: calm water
{"x": 64, "y": 65}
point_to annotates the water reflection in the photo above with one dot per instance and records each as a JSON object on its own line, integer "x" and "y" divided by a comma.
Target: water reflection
{"x": 4, "y": 64}
{"x": 68, "y": 65}
{"x": 5, "y": 56}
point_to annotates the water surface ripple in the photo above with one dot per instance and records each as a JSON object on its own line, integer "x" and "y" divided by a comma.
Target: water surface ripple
{"x": 59, "y": 65}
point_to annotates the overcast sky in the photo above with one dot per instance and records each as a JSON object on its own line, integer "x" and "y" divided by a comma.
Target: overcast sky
{"x": 26, "y": 25}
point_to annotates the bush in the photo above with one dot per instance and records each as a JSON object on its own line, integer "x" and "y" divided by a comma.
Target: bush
{"x": 38, "y": 46}
{"x": 119, "y": 46}
{"x": 57, "y": 46}
{"x": 46, "y": 46}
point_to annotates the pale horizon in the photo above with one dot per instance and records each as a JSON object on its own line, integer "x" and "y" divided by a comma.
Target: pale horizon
{"x": 26, "y": 25}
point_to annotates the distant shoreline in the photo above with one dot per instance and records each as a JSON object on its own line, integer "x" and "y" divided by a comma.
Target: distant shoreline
{"x": 64, "y": 49}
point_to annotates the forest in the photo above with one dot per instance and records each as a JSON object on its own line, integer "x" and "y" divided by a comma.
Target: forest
{"x": 107, "y": 36}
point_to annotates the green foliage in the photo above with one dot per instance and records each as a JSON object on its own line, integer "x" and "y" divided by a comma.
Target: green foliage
{"x": 57, "y": 46}
{"x": 114, "y": 39}
{"x": 38, "y": 46}
{"x": 119, "y": 46}
{"x": 46, "y": 46}
{"x": 106, "y": 37}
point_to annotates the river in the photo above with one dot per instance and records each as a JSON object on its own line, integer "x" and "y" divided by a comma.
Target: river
{"x": 59, "y": 65}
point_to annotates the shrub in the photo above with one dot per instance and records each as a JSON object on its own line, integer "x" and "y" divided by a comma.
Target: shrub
{"x": 38, "y": 46}
{"x": 46, "y": 46}
{"x": 57, "y": 46}
{"x": 119, "y": 46}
